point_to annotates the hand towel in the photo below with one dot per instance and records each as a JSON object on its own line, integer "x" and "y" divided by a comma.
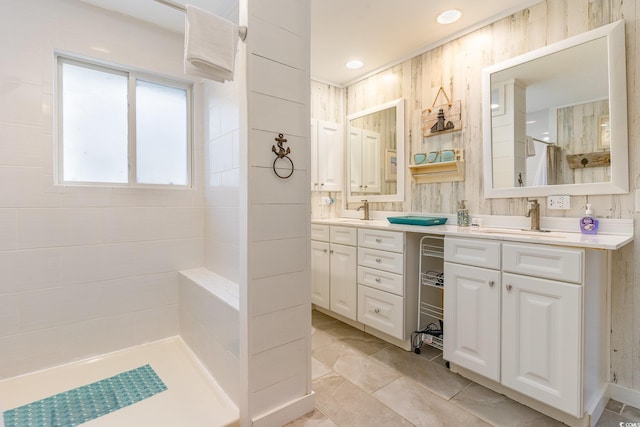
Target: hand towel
{"x": 210, "y": 44}
{"x": 531, "y": 146}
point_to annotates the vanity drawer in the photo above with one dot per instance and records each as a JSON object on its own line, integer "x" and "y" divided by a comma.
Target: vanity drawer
{"x": 564, "y": 264}
{"x": 380, "y": 310}
{"x": 380, "y": 239}
{"x": 381, "y": 260}
{"x": 480, "y": 253}
{"x": 320, "y": 232}
{"x": 344, "y": 235}
{"x": 385, "y": 281}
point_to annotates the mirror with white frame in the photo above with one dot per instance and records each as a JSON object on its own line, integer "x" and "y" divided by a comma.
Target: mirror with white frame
{"x": 375, "y": 153}
{"x": 555, "y": 119}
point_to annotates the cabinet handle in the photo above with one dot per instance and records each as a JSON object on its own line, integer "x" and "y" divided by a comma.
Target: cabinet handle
{"x": 378, "y": 260}
{"x": 378, "y": 280}
{"x": 378, "y": 240}
{"x": 509, "y": 287}
{"x": 377, "y": 310}
{"x": 491, "y": 283}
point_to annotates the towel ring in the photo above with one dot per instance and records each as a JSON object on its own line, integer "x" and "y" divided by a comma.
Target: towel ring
{"x": 281, "y": 153}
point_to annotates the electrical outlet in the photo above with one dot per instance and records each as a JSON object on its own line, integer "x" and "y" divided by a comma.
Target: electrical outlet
{"x": 559, "y": 202}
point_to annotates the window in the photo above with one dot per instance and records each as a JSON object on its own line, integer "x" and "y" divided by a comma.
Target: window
{"x": 119, "y": 127}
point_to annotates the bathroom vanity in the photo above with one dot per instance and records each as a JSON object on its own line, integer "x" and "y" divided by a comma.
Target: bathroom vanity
{"x": 524, "y": 313}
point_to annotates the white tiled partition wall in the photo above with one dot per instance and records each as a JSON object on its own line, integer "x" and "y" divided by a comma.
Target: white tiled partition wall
{"x": 84, "y": 270}
{"x": 275, "y": 292}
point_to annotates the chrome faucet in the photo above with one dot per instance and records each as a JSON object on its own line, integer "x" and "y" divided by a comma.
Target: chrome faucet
{"x": 365, "y": 206}
{"x": 534, "y": 213}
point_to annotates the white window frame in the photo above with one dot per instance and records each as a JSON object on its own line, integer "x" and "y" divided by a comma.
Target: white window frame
{"x": 133, "y": 76}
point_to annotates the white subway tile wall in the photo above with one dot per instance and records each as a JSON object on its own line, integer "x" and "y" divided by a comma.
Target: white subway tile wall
{"x": 86, "y": 270}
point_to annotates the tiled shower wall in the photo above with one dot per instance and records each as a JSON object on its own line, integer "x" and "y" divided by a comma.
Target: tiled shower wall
{"x": 85, "y": 270}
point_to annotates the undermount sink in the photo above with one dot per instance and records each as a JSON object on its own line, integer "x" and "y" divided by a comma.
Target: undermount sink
{"x": 519, "y": 232}
{"x": 357, "y": 221}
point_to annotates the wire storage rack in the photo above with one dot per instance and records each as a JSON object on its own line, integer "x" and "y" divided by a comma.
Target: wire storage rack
{"x": 430, "y": 294}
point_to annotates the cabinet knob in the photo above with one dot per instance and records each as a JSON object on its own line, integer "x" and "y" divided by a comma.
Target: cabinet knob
{"x": 509, "y": 287}
{"x": 491, "y": 283}
{"x": 331, "y": 251}
{"x": 378, "y": 280}
{"x": 377, "y": 310}
{"x": 378, "y": 240}
{"x": 378, "y": 260}
{"x": 322, "y": 185}
{"x": 325, "y": 251}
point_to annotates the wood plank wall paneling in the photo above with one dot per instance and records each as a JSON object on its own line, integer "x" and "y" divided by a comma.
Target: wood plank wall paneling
{"x": 278, "y": 340}
{"x": 457, "y": 66}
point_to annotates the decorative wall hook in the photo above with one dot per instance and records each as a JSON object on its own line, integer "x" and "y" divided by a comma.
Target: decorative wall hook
{"x": 281, "y": 153}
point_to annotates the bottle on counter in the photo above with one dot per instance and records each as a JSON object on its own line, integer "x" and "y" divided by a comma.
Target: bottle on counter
{"x": 589, "y": 224}
{"x": 463, "y": 214}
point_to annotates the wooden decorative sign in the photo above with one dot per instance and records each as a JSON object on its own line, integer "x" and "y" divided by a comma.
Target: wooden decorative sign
{"x": 442, "y": 118}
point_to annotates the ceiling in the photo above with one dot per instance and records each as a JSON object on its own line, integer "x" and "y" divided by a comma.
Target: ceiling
{"x": 378, "y": 32}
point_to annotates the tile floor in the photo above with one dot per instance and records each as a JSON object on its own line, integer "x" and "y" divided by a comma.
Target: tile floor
{"x": 361, "y": 380}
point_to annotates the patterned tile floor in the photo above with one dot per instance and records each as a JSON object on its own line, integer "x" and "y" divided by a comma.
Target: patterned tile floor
{"x": 360, "y": 380}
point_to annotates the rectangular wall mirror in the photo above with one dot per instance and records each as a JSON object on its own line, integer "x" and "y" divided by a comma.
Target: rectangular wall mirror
{"x": 375, "y": 153}
{"x": 555, "y": 119}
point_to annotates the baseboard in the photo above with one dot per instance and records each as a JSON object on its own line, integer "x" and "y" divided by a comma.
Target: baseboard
{"x": 286, "y": 413}
{"x": 625, "y": 395}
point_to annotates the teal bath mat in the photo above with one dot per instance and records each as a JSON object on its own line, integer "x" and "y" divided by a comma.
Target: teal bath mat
{"x": 88, "y": 402}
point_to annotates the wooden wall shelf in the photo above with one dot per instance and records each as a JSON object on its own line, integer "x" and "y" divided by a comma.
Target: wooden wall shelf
{"x": 438, "y": 172}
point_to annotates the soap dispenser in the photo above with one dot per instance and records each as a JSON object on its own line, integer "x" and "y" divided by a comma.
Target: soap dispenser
{"x": 463, "y": 214}
{"x": 589, "y": 224}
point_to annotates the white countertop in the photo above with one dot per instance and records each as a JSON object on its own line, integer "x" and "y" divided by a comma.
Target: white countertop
{"x": 558, "y": 238}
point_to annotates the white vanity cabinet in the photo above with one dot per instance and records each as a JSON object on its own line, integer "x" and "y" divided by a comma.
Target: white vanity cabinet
{"x": 542, "y": 324}
{"x": 514, "y": 315}
{"x": 472, "y": 305}
{"x": 333, "y": 269}
{"x": 381, "y": 280}
{"x": 327, "y": 149}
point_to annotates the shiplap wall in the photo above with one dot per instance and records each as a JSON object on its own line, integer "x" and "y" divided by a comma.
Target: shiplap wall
{"x": 275, "y": 284}
{"x": 457, "y": 66}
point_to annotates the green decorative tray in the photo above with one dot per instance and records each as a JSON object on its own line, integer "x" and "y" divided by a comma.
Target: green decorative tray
{"x": 417, "y": 220}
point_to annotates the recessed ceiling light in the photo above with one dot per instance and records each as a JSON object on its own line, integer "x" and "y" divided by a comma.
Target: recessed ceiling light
{"x": 449, "y": 16}
{"x": 354, "y": 64}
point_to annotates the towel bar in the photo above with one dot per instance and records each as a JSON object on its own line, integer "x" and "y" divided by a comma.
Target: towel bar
{"x": 242, "y": 30}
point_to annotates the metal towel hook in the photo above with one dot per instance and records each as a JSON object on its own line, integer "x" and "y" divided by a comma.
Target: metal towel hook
{"x": 281, "y": 153}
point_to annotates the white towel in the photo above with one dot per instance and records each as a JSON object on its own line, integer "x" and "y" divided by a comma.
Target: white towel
{"x": 531, "y": 146}
{"x": 210, "y": 44}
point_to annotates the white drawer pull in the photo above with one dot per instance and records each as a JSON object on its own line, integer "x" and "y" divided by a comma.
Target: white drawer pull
{"x": 378, "y": 260}
{"x": 378, "y": 240}
{"x": 377, "y": 310}
{"x": 491, "y": 283}
{"x": 378, "y": 280}
{"x": 509, "y": 287}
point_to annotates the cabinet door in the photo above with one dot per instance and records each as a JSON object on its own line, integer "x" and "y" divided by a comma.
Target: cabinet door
{"x": 371, "y": 163}
{"x": 343, "y": 280}
{"x": 330, "y": 156}
{"x": 355, "y": 160}
{"x": 541, "y": 340}
{"x": 320, "y": 274}
{"x": 313, "y": 166}
{"x": 472, "y": 318}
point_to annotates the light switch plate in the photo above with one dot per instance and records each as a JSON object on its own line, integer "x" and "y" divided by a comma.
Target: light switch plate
{"x": 559, "y": 202}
